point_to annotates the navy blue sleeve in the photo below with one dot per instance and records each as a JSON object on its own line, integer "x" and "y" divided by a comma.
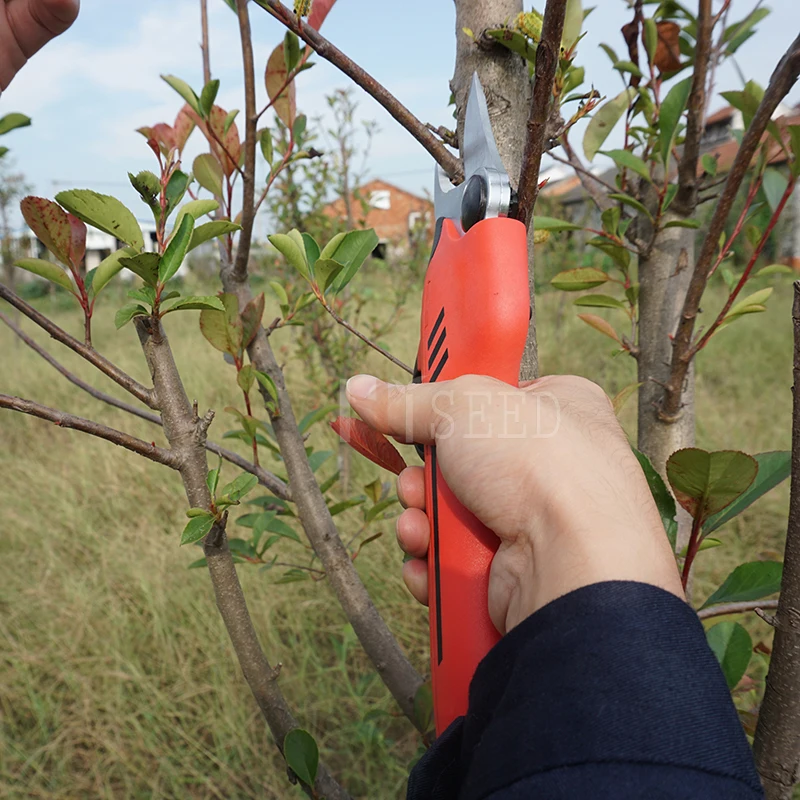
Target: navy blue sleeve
{"x": 608, "y": 692}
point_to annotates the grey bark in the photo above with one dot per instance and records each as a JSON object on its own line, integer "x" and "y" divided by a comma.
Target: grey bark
{"x": 504, "y": 77}
{"x": 186, "y": 433}
{"x": 777, "y": 740}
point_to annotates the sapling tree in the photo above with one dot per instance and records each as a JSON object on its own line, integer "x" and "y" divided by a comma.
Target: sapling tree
{"x": 647, "y": 217}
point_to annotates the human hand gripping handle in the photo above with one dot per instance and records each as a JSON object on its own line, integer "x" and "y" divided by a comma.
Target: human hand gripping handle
{"x": 545, "y": 466}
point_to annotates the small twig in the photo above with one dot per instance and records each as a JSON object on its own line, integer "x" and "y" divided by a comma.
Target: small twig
{"x": 445, "y": 134}
{"x": 64, "y": 420}
{"x": 547, "y": 55}
{"x": 147, "y": 396}
{"x": 449, "y": 163}
{"x": 736, "y": 608}
{"x": 374, "y": 345}
{"x": 590, "y": 182}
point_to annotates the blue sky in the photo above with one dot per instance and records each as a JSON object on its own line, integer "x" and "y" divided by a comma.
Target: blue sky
{"x": 90, "y": 90}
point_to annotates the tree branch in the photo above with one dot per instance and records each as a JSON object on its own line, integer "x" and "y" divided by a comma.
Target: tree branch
{"x": 449, "y": 163}
{"x": 735, "y": 608}
{"x": 250, "y": 124}
{"x": 777, "y": 739}
{"x": 269, "y": 481}
{"x": 686, "y": 198}
{"x": 593, "y": 185}
{"x": 547, "y": 55}
{"x": 147, "y": 396}
{"x": 64, "y": 420}
{"x": 783, "y": 79}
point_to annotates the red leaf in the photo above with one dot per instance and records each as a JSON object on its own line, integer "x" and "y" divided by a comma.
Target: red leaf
{"x": 284, "y": 99}
{"x": 319, "y": 10}
{"x": 371, "y": 444}
{"x": 77, "y": 240}
{"x": 230, "y": 155}
{"x": 251, "y": 319}
{"x": 184, "y": 125}
{"x": 164, "y": 135}
{"x": 49, "y": 222}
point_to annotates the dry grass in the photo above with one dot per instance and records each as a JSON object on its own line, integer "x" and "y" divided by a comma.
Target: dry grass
{"x": 116, "y": 677}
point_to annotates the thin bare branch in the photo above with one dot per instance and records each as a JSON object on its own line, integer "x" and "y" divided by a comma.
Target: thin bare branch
{"x": 250, "y": 123}
{"x": 64, "y": 420}
{"x": 374, "y": 345}
{"x": 266, "y": 479}
{"x": 777, "y": 739}
{"x": 686, "y": 198}
{"x": 547, "y": 55}
{"x": 147, "y": 396}
{"x": 783, "y": 79}
{"x": 449, "y": 163}
{"x": 594, "y": 186}
{"x": 723, "y": 609}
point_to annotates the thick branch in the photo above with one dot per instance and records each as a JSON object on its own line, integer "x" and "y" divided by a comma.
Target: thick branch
{"x": 250, "y": 123}
{"x": 777, "y": 740}
{"x": 686, "y": 198}
{"x": 723, "y": 609}
{"x": 783, "y": 79}
{"x": 547, "y": 55}
{"x": 266, "y": 479}
{"x": 449, "y": 163}
{"x": 91, "y": 355}
{"x": 64, "y": 420}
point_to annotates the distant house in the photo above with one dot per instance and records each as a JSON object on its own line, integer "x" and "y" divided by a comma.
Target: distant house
{"x": 396, "y": 215}
{"x": 719, "y": 140}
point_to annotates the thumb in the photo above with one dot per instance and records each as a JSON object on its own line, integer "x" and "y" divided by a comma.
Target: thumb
{"x": 411, "y": 413}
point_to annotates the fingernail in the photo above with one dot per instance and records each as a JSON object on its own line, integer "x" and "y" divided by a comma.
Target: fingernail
{"x": 362, "y": 387}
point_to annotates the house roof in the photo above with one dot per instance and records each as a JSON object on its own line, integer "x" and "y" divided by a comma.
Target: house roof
{"x": 370, "y": 186}
{"x": 723, "y": 115}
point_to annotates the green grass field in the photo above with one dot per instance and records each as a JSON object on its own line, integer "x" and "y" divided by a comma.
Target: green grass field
{"x": 116, "y": 676}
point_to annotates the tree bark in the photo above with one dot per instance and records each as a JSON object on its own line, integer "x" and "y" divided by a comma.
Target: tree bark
{"x": 664, "y": 275}
{"x": 504, "y": 77}
{"x": 777, "y": 740}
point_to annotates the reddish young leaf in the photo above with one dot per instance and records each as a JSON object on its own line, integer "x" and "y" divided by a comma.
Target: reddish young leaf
{"x": 184, "y": 125}
{"x": 371, "y": 444}
{"x": 77, "y": 237}
{"x": 50, "y": 224}
{"x": 283, "y": 99}
{"x": 230, "y": 155}
{"x": 319, "y": 10}
{"x": 251, "y": 319}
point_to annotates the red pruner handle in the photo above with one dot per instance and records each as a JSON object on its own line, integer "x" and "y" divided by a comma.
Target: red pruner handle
{"x": 475, "y": 315}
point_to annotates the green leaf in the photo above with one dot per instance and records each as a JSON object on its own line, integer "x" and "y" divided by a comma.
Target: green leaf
{"x": 709, "y": 164}
{"x": 669, "y": 196}
{"x": 750, "y": 581}
{"x": 280, "y": 293}
{"x": 575, "y": 280}
{"x": 145, "y": 265}
{"x": 176, "y": 250}
{"x": 755, "y": 299}
{"x": 379, "y": 508}
{"x": 514, "y": 41}
{"x": 268, "y": 384}
{"x": 738, "y": 33}
{"x": 197, "y": 528}
{"x": 299, "y": 128}
{"x": 616, "y": 251}
{"x": 292, "y": 252}
{"x": 326, "y": 272}
{"x": 109, "y": 267}
{"x": 650, "y": 37}
{"x": 208, "y": 96}
{"x": 176, "y": 189}
{"x": 552, "y": 224}
{"x": 46, "y": 269}
{"x": 665, "y": 503}
{"x": 195, "y": 303}
{"x": 610, "y": 218}
{"x": 291, "y": 50}
{"x": 148, "y": 186}
{"x": 632, "y": 202}
{"x": 185, "y": 91}
{"x": 330, "y": 248}
{"x": 267, "y": 150}
{"x": 352, "y": 251}
{"x": 599, "y": 301}
{"x": 246, "y": 377}
{"x": 627, "y": 160}
{"x": 683, "y": 223}
{"x": 775, "y": 269}
{"x": 211, "y": 230}
{"x": 315, "y": 416}
{"x": 197, "y": 512}
{"x": 733, "y": 647}
{"x": 239, "y": 487}
{"x": 12, "y": 121}
{"x": 276, "y": 525}
{"x": 773, "y": 185}
{"x": 623, "y": 395}
{"x": 773, "y": 468}
{"x": 311, "y": 250}
{"x": 103, "y": 212}
{"x": 207, "y": 172}
{"x": 672, "y": 108}
{"x": 604, "y": 120}
{"x": 229, "y": 120}
{"x": 423, "y": 706}
{"x": 144, "y": 294}
{"x": 224, "y": 330}
{"x": 201, "y": 562}
{"x": 573, "y": 19}
{"x": 128, "y": 312}
{"x": 628, "y": 66}
{"x": 212, "y": 480}
{"x": 316, "y": 460}
{"x": 290, "y": 576}
{"x": 338, "y": 508}
{"x": 704, "y": 483}
{"x": 197, "y": 208}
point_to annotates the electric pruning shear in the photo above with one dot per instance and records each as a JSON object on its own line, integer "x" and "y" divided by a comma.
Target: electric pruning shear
{"x": 475, "y": 315}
